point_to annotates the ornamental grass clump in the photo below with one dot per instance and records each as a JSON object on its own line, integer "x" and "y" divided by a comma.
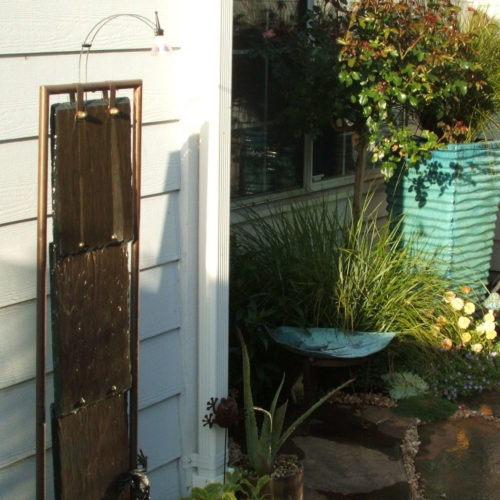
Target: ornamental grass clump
{"x": 315, "y": 265}
{"x": 381, "y": 284}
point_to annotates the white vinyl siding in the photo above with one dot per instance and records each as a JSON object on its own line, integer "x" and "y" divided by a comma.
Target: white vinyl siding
{"x": 39, "y": 45}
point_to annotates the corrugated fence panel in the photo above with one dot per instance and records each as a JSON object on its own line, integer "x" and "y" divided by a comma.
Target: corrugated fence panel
{"x": 495, "y": 260}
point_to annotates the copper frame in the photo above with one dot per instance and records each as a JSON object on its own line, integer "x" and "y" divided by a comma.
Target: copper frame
{"x": 77, "y": 90}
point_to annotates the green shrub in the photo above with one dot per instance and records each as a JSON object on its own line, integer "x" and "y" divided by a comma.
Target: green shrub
{"x": 427, "y": 408}
{"x": 234, "y": 483}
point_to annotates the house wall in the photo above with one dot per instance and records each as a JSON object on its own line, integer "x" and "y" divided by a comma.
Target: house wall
{"x": 39, "y": 45}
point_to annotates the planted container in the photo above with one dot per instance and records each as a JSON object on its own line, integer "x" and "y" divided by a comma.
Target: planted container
{"x": 450, "y": 203}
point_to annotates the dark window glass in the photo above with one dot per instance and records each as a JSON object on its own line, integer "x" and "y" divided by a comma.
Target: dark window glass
{"x": 266, "y": 157}
{"x": 267, "y": 154}
{"x": 333, "y": 155}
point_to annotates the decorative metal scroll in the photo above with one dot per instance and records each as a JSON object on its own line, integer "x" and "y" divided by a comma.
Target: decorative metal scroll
{"x": 95, "y": 202}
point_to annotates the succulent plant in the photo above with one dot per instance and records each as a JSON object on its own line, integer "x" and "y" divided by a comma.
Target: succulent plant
{"x": 263, "y": 446}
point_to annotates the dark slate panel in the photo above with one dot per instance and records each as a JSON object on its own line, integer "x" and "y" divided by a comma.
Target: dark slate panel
{"x": 91, "y": 176}
{"x": 91, "y": 452}
{"x": 90, "y": 321}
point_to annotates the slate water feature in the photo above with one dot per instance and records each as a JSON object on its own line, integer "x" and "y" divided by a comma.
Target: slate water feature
{"x": 349, "y": 454}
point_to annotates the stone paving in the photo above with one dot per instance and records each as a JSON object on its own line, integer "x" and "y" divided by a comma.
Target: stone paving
{"x": 358, "y": 456}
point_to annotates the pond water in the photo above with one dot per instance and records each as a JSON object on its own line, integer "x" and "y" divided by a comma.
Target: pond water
{"x": 460, "y": 459}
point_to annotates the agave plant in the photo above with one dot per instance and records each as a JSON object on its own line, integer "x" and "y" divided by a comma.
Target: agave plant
{"x": 263, "y": 446}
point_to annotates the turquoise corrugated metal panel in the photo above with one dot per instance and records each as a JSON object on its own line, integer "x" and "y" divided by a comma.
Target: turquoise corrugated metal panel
{"x": 451, "y": 203}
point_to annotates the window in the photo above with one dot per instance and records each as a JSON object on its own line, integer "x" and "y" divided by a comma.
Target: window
{"x": 267, "y": 154}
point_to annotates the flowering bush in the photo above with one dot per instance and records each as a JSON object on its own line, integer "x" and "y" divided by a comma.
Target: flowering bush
{"x": 464, "y": 325}
{"x": 458, "y": 348}
{"x": 460, "y": 373}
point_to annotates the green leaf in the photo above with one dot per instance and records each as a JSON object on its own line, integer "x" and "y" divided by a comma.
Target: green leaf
{"x": 250, "y": 421}
{"x": 367, "y": 111}
{"x": 412, "y": 100}
{"x": 401, "y": 96}
{"x": 308, "y": 412}
{"x": 279, "y": 420}
{"x": 462, "y": 86}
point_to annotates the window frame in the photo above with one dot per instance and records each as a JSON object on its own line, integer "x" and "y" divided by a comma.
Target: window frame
{"x": 309, "y": 185}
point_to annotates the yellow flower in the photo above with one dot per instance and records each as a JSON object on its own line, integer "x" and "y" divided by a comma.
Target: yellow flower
{"x": 447, "y": 344}
{"x": 469, "y": 308}
{"x": 457, "y": 303}
{"x": 466, "y": 337}
{"x": 441, "y": 320}
{"x": 449, "y": 296}
{"x": 489, "y": 316}
{"x": 463, "y": 322}
{"x": 465, "y": 289}
{"x": 476, "y": 347}
{"x": 491, "y": 334}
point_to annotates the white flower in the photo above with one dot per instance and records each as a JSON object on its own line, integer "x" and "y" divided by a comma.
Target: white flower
{"x": 466, "y": 337}
{"x": 489, "y": 316}
{"x": 487, "y": 326}
{"x": 476, "y": 347}
{"x": 469, "y": 308}
{"x": 463, "y": 322}
{"x": 457, "y": 303}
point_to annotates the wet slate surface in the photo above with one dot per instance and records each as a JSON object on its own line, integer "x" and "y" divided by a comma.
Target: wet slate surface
{"x": 91, "y": 176}
{"x": 91, "y": 452}
{"x": 90, "y": 327}
{"x": 353, "y": 456}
